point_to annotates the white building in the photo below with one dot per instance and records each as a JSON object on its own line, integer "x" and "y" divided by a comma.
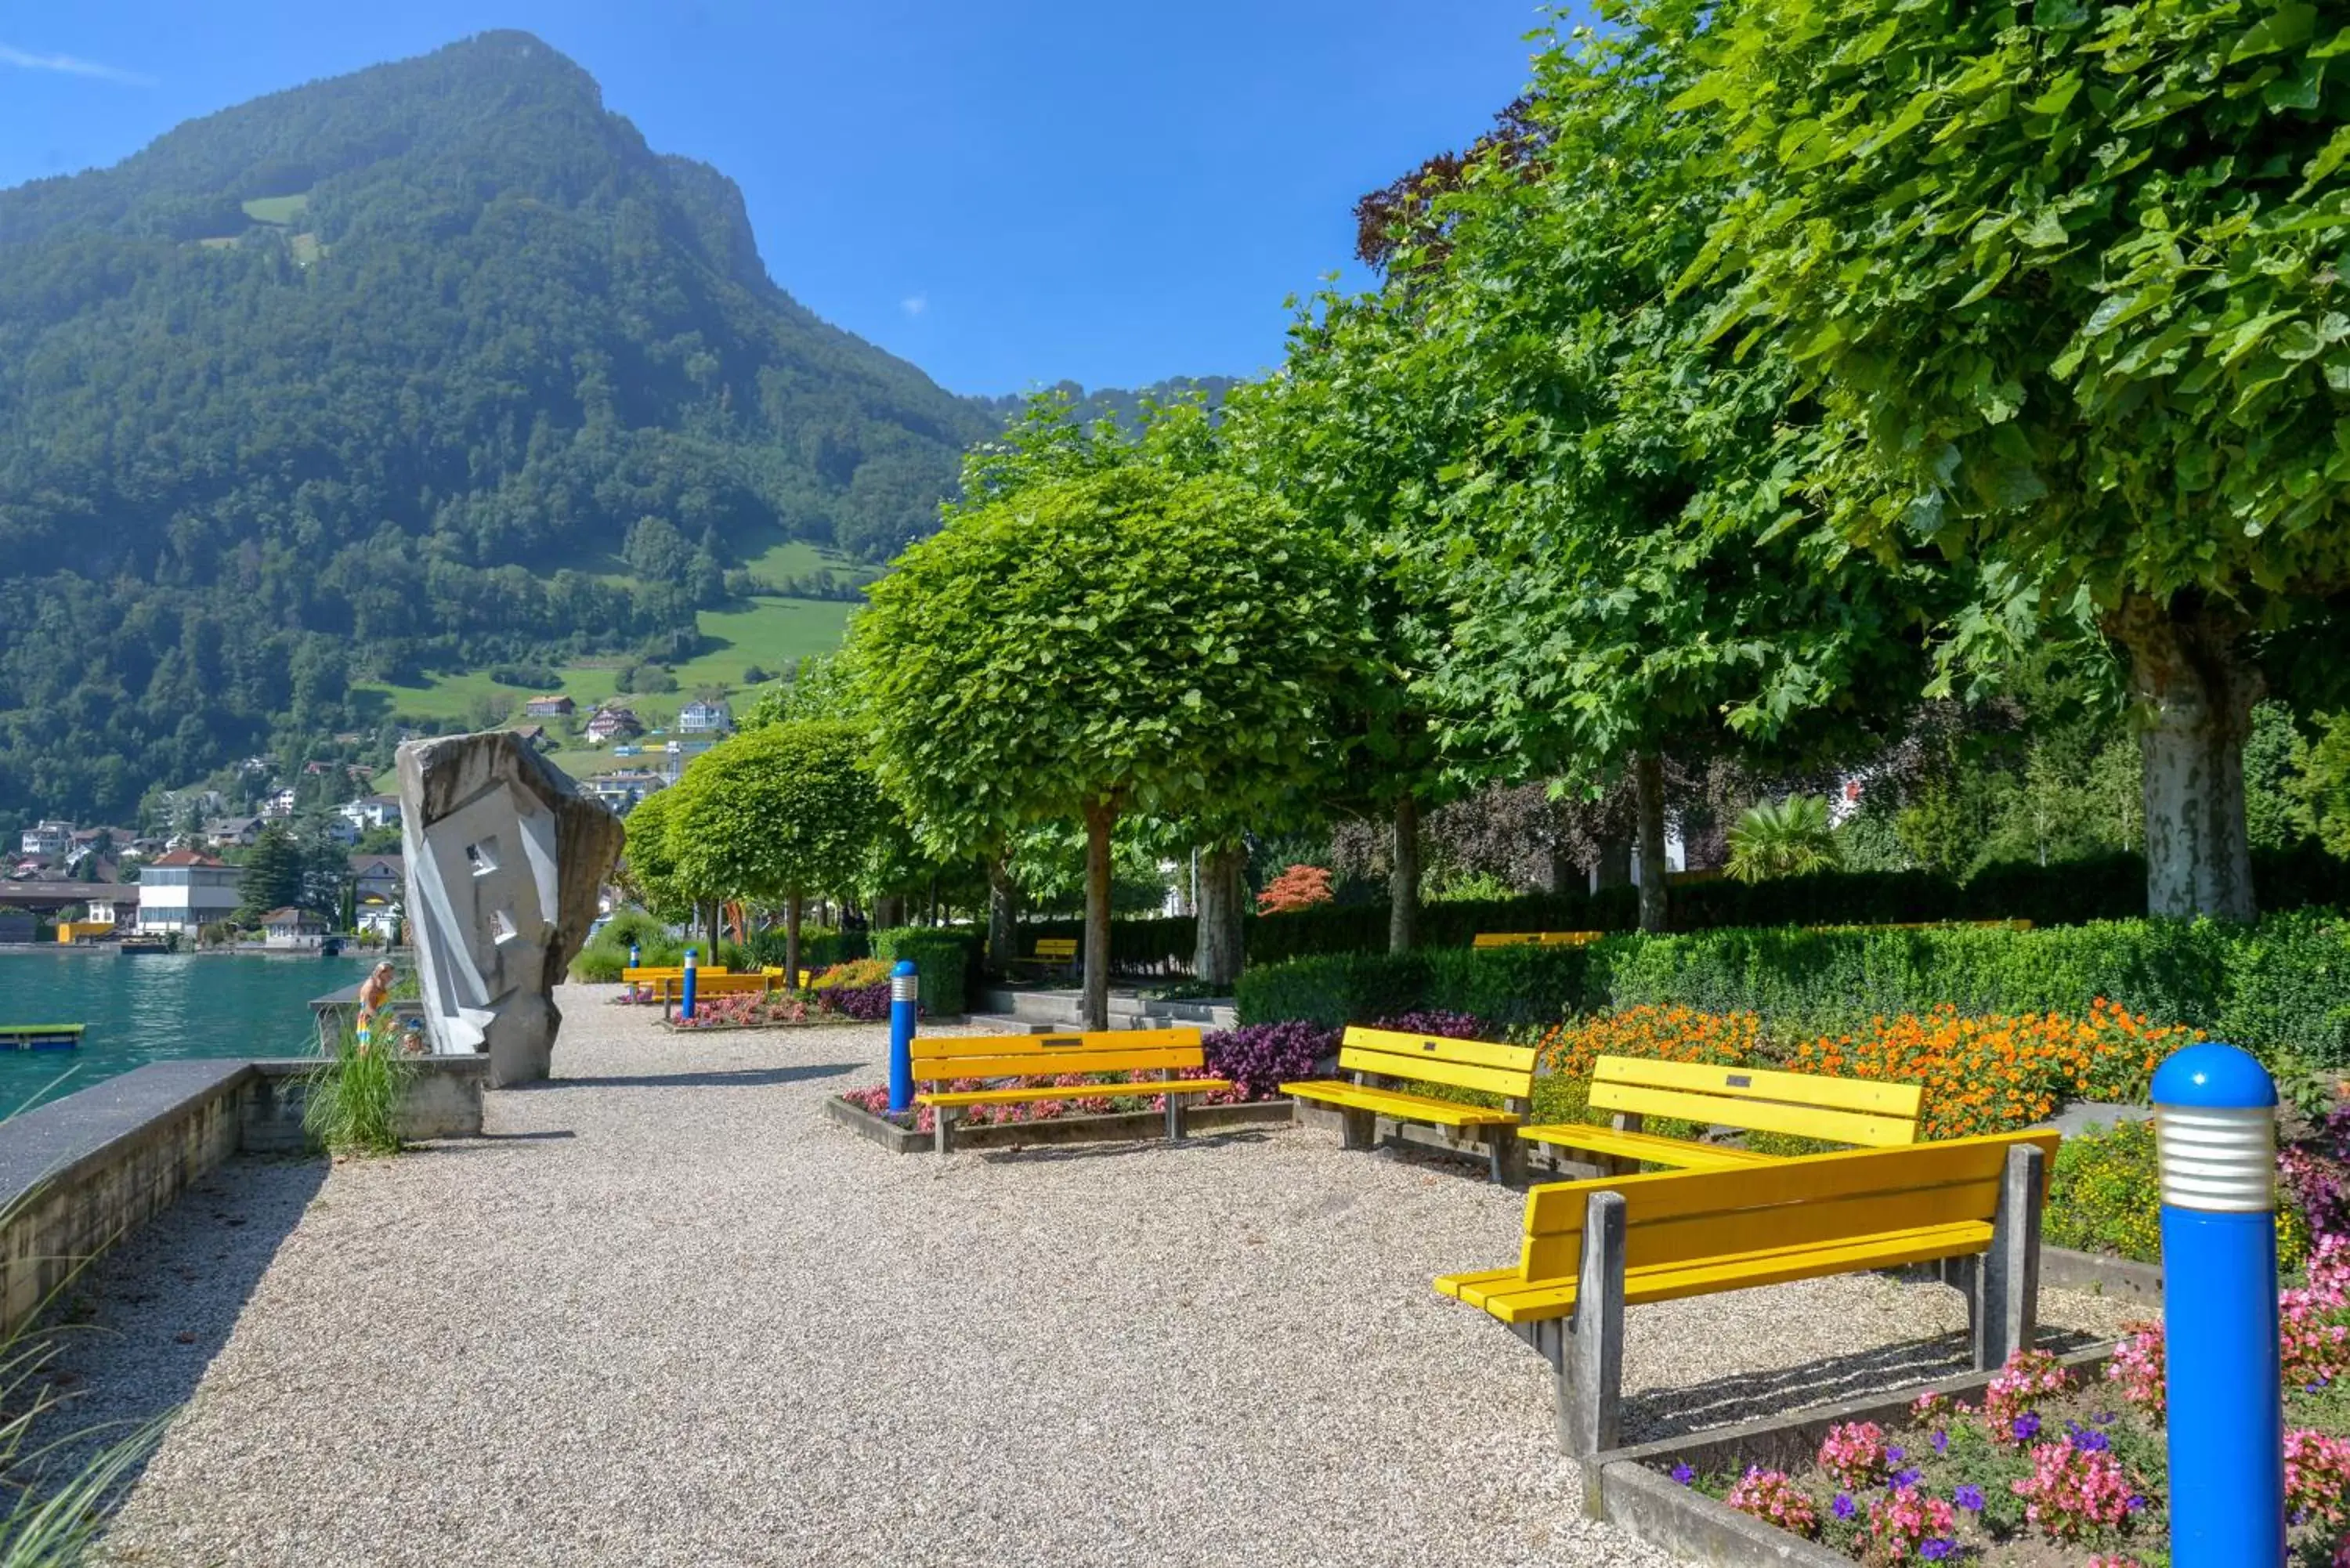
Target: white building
{"x": 371, "y": 811}
{"x": 291, "y": 928}
{"x": 186, "y": 891}
{"x": 118, "y": 909}
{"x": 704, "y": 719}
{"x": 279, "y": 805}
{"x": 46, "y": 841}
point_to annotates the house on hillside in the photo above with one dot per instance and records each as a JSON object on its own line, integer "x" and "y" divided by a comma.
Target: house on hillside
{"x": 278, "y": 806}
{"x": 46, "y": 841}
{"x": 379, "y": 891}
{"x": 556, "y": 707}
{"x": 613, "y": 723}
{"x": 233, "y": 832}
{"x": 698, "y": 718}
{"x": 292, "y": 928}
{"x": 184, "y": 891}
{"x": 371, "y": 811}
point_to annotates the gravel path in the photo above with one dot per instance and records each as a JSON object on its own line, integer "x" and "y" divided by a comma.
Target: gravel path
{"x": 667, "y": 1314}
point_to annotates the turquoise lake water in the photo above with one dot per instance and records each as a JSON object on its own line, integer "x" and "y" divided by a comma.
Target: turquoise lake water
{"x": 155, "y": 1008}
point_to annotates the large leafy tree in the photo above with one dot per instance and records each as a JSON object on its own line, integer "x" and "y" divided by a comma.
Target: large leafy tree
{"x": 1136, "y": 639}
{"x": 778, "y": 814}
{"x": 1631, "y": 569}
{"x": 2073, "y": 272}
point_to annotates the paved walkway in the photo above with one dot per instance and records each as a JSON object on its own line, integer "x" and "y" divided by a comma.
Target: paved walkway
{"x": 667, "y": 1314}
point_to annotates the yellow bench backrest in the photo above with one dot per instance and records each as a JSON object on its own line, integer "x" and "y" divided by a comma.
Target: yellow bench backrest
{"x": 1505, "y": 1070}
{"x": 1056, "y": 947}
{"x": 1870, "y": 1112}
{"x": 669, "y": 971}
{"x": 1536, "y": 939}
{"x": 1691, "y": 1217}
{"x": 942, "y": 1058}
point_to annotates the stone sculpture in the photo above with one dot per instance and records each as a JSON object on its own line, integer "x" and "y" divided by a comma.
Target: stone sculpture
{"x": 505, "y": 861}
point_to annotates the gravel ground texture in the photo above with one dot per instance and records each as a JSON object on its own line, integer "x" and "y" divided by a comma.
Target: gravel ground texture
{"x": 666, "y": 1314}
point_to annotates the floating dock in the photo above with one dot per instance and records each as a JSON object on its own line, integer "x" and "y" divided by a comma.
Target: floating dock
{"x": 39, "y": 1036}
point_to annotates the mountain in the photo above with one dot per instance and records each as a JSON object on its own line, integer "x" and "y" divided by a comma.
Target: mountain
{"x": 418, "y": 368}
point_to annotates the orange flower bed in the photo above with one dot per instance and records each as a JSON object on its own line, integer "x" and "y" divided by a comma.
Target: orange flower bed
{"x": 1980, "y": 1075}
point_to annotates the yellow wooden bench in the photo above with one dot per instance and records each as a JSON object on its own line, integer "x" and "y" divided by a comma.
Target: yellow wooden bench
{"x": 1594, "y": 1248}
{"x": 1507, "y": 1070}
{"x": 949, "y": 1058}
{"x": 1868, "y": 1112}
{"x": 649, "y": 973}
{"x": 1534, "y": 939}
{"x": 1053, "y": 953}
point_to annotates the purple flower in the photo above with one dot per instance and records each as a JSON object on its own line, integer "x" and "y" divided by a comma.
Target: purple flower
{"x": 2102, "y": 1417}
{"x": 1968, "y": 1497}
{"x": 2025, "y": 1426}
{"x": 1905, "y": 1479}
{"x": 1683, "y": 1474}
{"x": 1942, "y": 1442}
{"x": 1895, "y": 1456}
{"x": 2089, "y": 1442}
{"x": 1844, "y": 1507}
{"x": 2135, "y": 1503}
{"x": 1935, "y": 1549}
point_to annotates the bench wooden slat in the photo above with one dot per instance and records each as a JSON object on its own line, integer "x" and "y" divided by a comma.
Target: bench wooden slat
{"x": 1679, "y": 1153}
{"x": 1437, "y": 1048}
{"x": 1166, "y": 1059}
{"x": 1505, "y": 1294}
{"x": 946, "y": 1047}
{"x": 1395, "y": 1102}
{"x": 1072, "y": 1092}
{"x": 1759, "y": 1116}
{"x": 1876, "y": 1096}
{"x": 1435, "y": 1070}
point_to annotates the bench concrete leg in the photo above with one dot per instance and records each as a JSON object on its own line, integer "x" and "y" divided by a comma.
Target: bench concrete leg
{"x": 1507, "y": 1153}
{"x": 1587, "y": 1353}
{"x": 1357, "y": 1129}
{"x": 1174, "y": 1118}
{"x": 942, "y": 1130}
{"x": 1964, "y": 1275}
{"x": 2009, "y": 1317}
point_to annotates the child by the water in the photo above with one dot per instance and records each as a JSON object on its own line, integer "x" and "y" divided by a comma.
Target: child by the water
{"x": 374, "y": 993}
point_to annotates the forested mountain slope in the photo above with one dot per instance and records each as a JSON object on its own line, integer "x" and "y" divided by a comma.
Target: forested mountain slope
{"x": 382, "y": 374}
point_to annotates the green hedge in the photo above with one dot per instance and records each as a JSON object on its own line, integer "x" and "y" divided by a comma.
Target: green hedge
{"x": 2282, "y": 985}
{"x": 821, "y": 947}
{"x": 1159, "y": 944}
{"x": 945, "y": 959}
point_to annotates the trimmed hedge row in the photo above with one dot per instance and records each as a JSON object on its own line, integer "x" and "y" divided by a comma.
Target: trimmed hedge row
{"x": 947, "y": 962}
{"x": 2283, "y": 985}
{"x": 2073, "y": 892}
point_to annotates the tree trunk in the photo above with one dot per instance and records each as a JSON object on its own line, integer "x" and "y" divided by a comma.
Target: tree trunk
{"x": 1403, "y": 877}
{"x": 2194, "y": 694}
{"x": 792, "y": 939}
{"x": 1648, "y": 792}
{"x": 1099, "y": 819}
{"x": 1216, "y": 957}
{"x": 1003, "y": 914}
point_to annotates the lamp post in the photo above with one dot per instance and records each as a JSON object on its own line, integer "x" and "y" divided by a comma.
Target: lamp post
{"x": 2215, "y": 1127}
{"x": 905, "y": 1001}
{"x": 685, "y": 991}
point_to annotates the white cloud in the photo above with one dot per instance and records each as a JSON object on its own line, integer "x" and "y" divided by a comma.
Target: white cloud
{"x": 915, "y": 304}
{"x": 69, "y": 65}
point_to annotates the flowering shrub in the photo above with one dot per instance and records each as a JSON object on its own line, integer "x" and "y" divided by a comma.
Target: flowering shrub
{"x": 1259, "y": 1057}
{"x": 2139, "y": 1368}
{"x": 1855, "y": 1453}
{"x": 1771, "y": 1497}
{"x": 1297, "y": 887}
{"x": 1652, "y": 1034}
{"x": 2074, "y": 1488}
{"x": 1996, "y": 1074}
{"x": 2029, "y": 1376}
{"x": 865, "y": 1004}
{"x": 1906, "y": 1522}
{"x": 747, "y": 1010}
{"x": 855, "y": 973}
{"x": 2316, "y": 1475}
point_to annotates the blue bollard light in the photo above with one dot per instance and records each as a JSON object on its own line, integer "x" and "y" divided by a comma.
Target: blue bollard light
{"x": 685, "y": 991}
{"x": 636, "y": 957}
{"x": 905, "y": 1001}
{"x": 2215, "y": 1125}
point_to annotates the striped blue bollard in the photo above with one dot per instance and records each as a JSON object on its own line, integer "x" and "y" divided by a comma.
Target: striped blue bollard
{"x": 685, "y": 991}
{"x": 2215, "y": 1125}
{"x": 905, "y": 1001}
{"x": 636, "y": 957}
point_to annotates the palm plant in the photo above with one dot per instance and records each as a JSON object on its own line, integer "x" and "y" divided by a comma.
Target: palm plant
{"x": 1783, "y": 838}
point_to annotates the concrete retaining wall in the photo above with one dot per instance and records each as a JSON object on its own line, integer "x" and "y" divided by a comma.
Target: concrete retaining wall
{"x": 78, "y": 1174}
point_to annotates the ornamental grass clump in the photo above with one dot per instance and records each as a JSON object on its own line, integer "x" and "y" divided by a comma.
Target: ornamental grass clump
{"x": 354, "y": 1100}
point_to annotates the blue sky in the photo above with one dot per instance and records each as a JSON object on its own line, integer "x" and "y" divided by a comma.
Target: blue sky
{"x": 1006, "y": 195}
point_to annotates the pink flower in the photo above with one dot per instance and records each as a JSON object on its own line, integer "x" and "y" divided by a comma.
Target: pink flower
{"x": 1901, "y": 1523}
{"x": 2139, "y": 1367}
{"x": 1771, "y": 1497}
{"x": 2029, "y": 1376}
{"x": 2316, "y": 1474}
{"x": 1855, "y": 1454}
{"x": 2072, "y": 1490}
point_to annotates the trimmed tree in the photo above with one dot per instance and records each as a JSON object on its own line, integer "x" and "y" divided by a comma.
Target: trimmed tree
{"x": 777, "y": 814}
{"x": 1131, "y": 639}
{"x": 2073, "y": 272}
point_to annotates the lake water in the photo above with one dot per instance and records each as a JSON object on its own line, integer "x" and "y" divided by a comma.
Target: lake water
{"x": 154, "y": 1007}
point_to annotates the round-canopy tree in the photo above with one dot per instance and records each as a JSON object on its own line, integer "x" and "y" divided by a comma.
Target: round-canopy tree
{"x": 778, "y": 815}
{"x": 1132, "y": 639}
{"x": 2076, "y": 270}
